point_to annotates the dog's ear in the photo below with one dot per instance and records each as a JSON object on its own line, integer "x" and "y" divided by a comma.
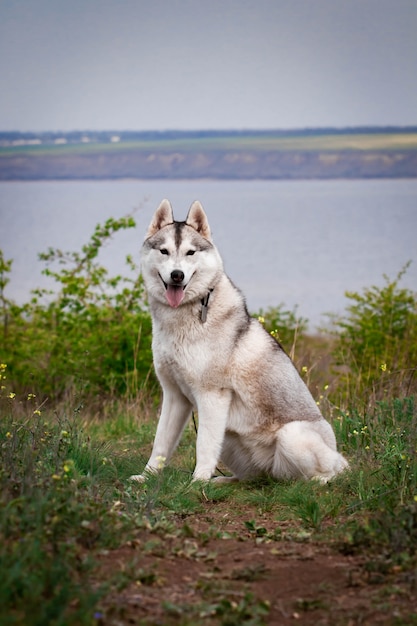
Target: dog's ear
{"x": 197, "y": 219}
{"x": 163, "y": 216}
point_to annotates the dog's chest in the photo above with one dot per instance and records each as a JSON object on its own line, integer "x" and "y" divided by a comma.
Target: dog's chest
{"x": 190, "y": 363}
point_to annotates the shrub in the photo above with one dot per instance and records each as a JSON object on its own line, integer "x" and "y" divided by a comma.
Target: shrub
{"x": 92, "y": 334}
{"x": 376, "y": 347}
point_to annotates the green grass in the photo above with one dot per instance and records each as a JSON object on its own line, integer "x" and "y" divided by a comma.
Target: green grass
{"x": 66, "y": 496}
{"x": 58, "y": 502}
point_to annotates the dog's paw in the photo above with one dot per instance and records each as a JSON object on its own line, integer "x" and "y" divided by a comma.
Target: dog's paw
{"x": 224, "y": 480}
{"x": 138, "y": 478}
{"x": 146, "y": 474}
{"x": 321, "y": 479}
{"x": 202, "y": 475}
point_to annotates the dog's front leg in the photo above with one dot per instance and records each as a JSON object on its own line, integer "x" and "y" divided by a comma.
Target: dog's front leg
{"x": 213, "y": 410}
{"x": 175, "y": 412}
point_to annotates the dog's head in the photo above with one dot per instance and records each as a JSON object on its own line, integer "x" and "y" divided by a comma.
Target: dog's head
{"x": 179, "y": 260}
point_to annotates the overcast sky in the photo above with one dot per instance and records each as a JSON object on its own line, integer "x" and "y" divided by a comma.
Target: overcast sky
{"x": 191, "y": 64}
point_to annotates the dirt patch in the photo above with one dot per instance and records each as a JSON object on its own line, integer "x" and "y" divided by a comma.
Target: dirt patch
{"x": 194, "y": 576}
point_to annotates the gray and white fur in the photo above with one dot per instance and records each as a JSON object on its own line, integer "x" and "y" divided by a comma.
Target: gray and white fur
{"x": 255, "y": 414}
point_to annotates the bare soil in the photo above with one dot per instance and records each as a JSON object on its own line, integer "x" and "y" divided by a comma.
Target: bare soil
{"x": 238, "y": 575}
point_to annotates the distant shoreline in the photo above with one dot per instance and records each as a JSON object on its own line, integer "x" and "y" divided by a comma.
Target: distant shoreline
{"x": 217, "y": 155}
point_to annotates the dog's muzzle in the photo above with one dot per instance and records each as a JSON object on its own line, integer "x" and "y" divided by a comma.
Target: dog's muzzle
{"x": 174, "y": 291}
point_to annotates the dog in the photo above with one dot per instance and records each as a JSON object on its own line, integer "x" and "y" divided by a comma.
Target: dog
{"x": 255, "y": 413}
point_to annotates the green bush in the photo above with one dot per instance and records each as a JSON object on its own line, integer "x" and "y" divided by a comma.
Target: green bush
{"x": 93, "y": 334}
{"x": 376, "y": 342}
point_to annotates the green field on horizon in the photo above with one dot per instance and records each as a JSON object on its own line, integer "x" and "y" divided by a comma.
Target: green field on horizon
{"x": 320, "y": 142}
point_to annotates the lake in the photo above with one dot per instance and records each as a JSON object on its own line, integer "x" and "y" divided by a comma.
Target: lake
{"x": 300, "y": 243}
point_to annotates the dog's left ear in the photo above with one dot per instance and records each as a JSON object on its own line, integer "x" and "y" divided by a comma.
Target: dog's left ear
{"x": 197, "y": 219}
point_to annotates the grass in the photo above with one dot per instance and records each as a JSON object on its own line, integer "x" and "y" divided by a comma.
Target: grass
{"x": 66, "y": 498}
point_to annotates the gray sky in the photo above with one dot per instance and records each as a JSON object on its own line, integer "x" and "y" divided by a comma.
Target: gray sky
{"x": 189, "y": 64}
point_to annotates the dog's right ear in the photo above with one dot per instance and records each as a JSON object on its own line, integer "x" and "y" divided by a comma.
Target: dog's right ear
{"x": 163, "y": 216}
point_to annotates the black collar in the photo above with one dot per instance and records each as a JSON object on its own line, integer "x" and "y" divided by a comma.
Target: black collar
{"x": 204, "y": 306}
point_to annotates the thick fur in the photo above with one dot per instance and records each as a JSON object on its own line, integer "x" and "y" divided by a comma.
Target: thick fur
{"x": 255, "y": 414}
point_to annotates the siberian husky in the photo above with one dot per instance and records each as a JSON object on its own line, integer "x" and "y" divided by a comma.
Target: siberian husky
{"x": 255, "y": 414}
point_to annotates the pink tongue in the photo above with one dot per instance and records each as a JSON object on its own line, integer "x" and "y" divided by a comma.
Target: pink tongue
{"x": 174, "y": 295}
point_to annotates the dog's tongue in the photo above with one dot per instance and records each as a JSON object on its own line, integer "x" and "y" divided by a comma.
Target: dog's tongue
{"x": 174, "y": 295}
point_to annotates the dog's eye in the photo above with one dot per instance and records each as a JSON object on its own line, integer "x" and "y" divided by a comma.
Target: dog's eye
{"x": 164, "y": 251}
{"x": 190, "y": 252}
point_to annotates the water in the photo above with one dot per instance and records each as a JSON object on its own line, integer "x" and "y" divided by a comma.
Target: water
{"x": 294, "y": 242}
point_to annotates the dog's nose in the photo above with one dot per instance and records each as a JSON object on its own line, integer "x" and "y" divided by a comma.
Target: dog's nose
{"x": 177, "y": 276}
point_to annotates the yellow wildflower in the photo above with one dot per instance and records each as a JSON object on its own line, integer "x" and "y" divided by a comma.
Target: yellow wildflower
{"x": 68, "y": 466}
